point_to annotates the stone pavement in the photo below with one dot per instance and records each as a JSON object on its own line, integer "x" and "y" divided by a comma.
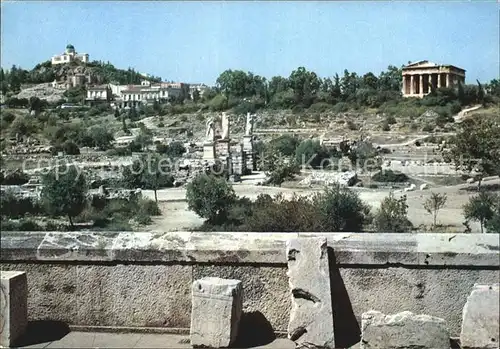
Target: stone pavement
{"x": 76, "y": 339}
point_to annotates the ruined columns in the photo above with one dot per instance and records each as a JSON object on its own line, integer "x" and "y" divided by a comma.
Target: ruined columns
{"x": 412, "y": 85}
{"x": 421, "y": 85}
{"x": 448, "y": 80}
{"x": 438, "y": 80}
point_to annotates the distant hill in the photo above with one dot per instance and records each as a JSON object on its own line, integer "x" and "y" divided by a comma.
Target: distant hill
{"x": 100, "y": 71}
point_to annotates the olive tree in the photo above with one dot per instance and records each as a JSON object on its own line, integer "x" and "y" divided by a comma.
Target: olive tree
{"x": 64, "y": 191}
{"x": 210, "y": 197}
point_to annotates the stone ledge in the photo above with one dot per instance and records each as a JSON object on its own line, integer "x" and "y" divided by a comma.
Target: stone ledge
{"x": 429, "y": 250}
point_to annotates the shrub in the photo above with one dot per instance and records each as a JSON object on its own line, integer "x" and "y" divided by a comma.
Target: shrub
{"x": 285, "y": 144}
{"x": 280, "y": 215}
{"x": 340, "y": 107}
{"x": 341, "y": 209}
{"x": 142, "y": 218}
{"x": 484, "y": 207}
{"x": 12, "y": 206}
{"x": 391, "y": 120}
{"x": 391, "y": 217}
{"x": 119, "y": 151}
{"x": 218, "y": 103}
{"x": 210, "y": 197}
{"x": 70, "y": 148}
{"x": 428, "y": 128}
{"x": 390, "y": 176}
{"x": 282, "y": 172}
{"x": 15, "y": 178}
{"x": 320, "y": 107}
{"x": 352, "y": 126}
{"x": 386, "y": 127}
{"x": 24, "y": 224}
{"x": 149, "y": 207}
{"x": 64, "y": 192}
{"x": 8, "y": 117}
{"x": 310, "y": 152}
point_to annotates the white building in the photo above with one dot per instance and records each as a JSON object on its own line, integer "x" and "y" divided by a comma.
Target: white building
{"x": 70, "y": 55}
{"x": 127, "y": 96}
{"x": 98, "y": 94}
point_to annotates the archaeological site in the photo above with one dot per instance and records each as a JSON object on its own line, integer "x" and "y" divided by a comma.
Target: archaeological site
{"x": 310, "y": 175}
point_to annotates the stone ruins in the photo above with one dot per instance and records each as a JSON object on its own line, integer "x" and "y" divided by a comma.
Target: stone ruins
{"x": 218, "y": 305}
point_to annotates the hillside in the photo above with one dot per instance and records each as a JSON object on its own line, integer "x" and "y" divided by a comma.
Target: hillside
{"x": 100, "y": 72}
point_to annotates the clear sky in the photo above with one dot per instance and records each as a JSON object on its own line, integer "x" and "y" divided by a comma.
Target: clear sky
{"x": 195, "y": 41}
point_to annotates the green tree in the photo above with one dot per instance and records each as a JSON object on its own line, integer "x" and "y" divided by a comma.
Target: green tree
{"x": 210, "y": 197}
{"x": 305, "y": 85}
{"x": 477, "y": 145}
{"x": 132, "y": 114}
{"x": 22, "y": 126}
{"x": 196, "y": 96}
{"x": 64, "y": 192}
{"x": 285, "y": 144}
{"x": 157, "y": 174}
{"x": 102, "y": 138}
{"x": 392, "y": 215}
{"x": 341, "y": 209}
{"x": 433, "y": 204}
{"x": 481, "y": 208}
{"x": 310, "y": 152}
{"x": 145, "y": 138}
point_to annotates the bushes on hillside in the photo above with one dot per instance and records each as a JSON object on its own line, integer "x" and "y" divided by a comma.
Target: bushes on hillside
{"x": 390, "y": 176}
{"x": 12, "y": 206}
{"x": 15, "y": 178}
{"x": 310, "y": 153}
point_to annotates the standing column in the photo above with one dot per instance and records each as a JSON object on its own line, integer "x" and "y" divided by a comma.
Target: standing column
{"x": 438, "y": 80}
{"x": 403, "y": 89}
{"x": 412, "y": 85}
{"x": 448, "y": 82}
{"x": 421, "y": 85}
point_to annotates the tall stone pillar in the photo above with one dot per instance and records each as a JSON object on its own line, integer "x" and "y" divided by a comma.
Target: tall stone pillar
{"x": 438, "y": 80}
{"x": 403, "y": 89}
{"x": 421, "y": 85}
{"x": 412, "y": 85}
{"x": 448, "y": 80}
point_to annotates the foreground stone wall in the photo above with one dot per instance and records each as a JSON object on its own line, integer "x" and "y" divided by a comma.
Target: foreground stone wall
{"x": 144, "y": 279}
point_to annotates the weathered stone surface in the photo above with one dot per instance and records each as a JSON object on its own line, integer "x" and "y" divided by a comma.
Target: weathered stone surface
{"x": 403, "y": 330}
{"x": 480, "y": 325}
{"x": 311, "y": 317}
{"x": 13, "y": 306}
{"x": 216, "y": 312}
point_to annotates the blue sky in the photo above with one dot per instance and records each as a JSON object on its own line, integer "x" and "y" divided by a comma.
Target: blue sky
{"x": 195, "y": 41}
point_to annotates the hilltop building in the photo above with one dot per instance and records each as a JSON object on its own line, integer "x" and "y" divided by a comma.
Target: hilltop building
{"x": 418, "y": 78}
{"x": 70, "y": 55}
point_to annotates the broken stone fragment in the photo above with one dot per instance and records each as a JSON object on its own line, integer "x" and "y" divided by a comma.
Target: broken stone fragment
{"x": 480, "y": 325}
{"x": 311, "y": 317}
{"x": 13, "y": 306}
{"x": 403, "y": 330}
{"x": 216, "y": 312}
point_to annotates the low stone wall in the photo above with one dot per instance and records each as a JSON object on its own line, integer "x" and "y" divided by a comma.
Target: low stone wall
{"x": 136, "y": 279}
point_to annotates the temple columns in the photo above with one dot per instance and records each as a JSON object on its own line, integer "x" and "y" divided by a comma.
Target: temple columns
{"x": 421, "y": 85}
{"x": 448, "y": 80}
{"x": 412, "y": 85}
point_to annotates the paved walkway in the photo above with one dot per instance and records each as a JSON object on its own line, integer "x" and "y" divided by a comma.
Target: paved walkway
{"x": 129, "y": 340}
